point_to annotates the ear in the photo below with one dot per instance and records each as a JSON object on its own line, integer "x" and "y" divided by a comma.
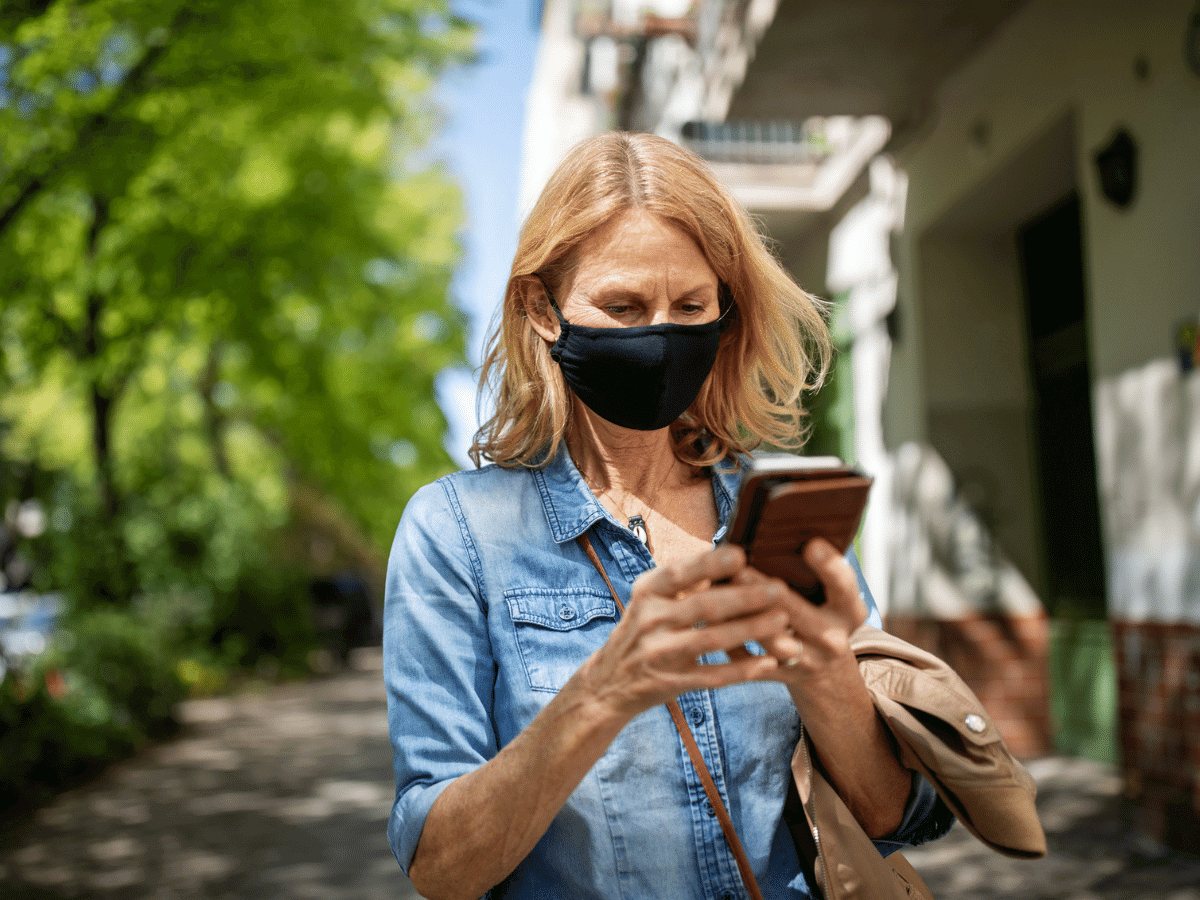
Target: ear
{"x": 537, "y": 310}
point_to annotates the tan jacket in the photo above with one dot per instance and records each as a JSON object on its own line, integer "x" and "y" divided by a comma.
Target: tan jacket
{"x": 943, "y": 732}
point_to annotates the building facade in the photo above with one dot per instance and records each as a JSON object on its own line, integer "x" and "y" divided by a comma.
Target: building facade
{"x": 1003, "y": 200}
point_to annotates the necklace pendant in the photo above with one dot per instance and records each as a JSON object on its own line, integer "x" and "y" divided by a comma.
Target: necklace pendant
{"x": 638, "y": 526}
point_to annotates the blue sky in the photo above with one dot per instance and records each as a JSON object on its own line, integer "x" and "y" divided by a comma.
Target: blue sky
{"x": 485, "y": 109}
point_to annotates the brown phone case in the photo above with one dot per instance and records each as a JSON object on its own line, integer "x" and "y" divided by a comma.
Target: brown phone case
{"x": 779, "y": 513}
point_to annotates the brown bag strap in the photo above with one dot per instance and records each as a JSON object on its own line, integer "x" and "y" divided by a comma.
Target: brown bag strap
{"x": 689, "y": 741}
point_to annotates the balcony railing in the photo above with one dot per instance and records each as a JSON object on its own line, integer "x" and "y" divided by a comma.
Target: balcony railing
{"x": 758, "y": 143}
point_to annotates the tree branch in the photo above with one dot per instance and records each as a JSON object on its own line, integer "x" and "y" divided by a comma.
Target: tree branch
{"x": 92, "y": 126}
{"x": 214, "y": 419}
{"x": 71, "y": 336}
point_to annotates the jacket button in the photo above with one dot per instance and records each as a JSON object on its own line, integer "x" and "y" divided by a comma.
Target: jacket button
{"x": 566, "y": 613}
{"x": 976, "y": 723}
{"x": 696, "y": 714}
{"x": 708, "y": 808}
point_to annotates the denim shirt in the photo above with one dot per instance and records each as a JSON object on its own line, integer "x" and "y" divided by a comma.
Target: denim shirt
{"x": 491, "y": 605}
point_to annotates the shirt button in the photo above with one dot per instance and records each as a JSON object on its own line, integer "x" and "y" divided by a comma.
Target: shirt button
{"x": 728, "y": 895}
{"x": 976, "y": 723}
{"x": 708, "y": 808}
{"x": 696, "y": 714}
{"x": 566, "y": 613}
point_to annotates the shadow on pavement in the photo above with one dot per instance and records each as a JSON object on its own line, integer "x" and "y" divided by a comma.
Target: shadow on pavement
{"x": 1095, "y": 849}
{"x": 285, "y": 794}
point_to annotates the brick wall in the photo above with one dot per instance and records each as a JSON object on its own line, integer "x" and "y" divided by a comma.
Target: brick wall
{"x": 1004, "y": 660}
{"x": 1158, "y": 670}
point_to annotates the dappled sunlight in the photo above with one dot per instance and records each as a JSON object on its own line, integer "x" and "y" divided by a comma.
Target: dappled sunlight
{"x": 271, "y": 794}
{"x": 1148, "y": 455}
{"x": 230, "y": 802}
{"x": 194, "y": 867}
{"x": 116, "y": 848}
{"x": 303, "y": 812}
{"x": 1095, "y": 851}
{"x": 946, "y": 564}
{"x": 226, "y": 249}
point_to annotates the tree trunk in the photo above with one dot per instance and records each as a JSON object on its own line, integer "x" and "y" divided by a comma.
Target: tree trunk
{"x": 110, "y": 500}
{"x": 102, "y": 398}
{"x": 110, "y": 576}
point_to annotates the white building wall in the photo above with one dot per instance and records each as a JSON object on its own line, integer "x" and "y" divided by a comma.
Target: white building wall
{"x": 1102, "y": 64}
{"x": 682, "y": 80}
{"x": 1078, "y": 56}
{"x": 557, "y": 114}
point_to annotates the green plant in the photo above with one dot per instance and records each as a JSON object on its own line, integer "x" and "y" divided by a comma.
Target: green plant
{"x": 99, "y": 692}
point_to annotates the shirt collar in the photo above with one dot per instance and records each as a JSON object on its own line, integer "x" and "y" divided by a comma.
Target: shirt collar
{"x": 727, "y": 477}
{"x": 571, "y": 508}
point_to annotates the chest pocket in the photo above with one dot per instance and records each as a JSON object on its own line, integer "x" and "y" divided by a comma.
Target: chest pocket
{"x": 557, "y": 630}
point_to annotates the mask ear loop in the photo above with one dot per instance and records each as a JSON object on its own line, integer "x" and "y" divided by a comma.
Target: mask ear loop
{"x": 564, "y": 325}
{"x": 550, "y": 297}
{"x": 729, "y": 308}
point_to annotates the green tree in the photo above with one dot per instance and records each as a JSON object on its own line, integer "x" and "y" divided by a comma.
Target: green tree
{"x": 222, "y": 274}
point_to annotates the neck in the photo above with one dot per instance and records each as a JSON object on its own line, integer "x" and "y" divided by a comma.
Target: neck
{"x": 620, "y": 460}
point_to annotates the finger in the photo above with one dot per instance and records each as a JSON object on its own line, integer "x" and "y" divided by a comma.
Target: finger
{"x": 797, "y": 606}
{"x": 739, "y": 652}
{"x": 725, "y": 602}
{"x": 749, "y": 575}
{"x": 786, "y": 648}
{"x": 752, "y": 668}
{"x": 712, "y": 566}
{"x": 692, "y": 643}
{"x": 841, "y": 583}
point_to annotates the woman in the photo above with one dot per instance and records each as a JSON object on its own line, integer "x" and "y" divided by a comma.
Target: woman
{"x": 647, "y": 341}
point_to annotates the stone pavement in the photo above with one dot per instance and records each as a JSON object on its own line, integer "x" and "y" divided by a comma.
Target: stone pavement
{"x": 1096, "y": 851}
{"x": 284, "y": 793}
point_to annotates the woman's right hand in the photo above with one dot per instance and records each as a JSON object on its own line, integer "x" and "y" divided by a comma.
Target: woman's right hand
{"x": 676, "y": 614}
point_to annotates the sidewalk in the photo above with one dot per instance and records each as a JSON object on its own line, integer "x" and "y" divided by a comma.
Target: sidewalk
{"x": 1095, "y": 850}
{"x": 285, "y": 794}
{"x": 281, "y": 794}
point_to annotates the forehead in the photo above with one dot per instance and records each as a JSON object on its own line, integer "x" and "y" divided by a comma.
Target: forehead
{"x": 640, "y": 240}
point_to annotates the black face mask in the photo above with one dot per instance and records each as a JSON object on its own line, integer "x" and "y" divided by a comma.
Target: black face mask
{"x": 641, "y": 377}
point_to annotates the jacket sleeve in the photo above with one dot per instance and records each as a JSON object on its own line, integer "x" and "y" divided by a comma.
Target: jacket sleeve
{"x": 944, "y": 733}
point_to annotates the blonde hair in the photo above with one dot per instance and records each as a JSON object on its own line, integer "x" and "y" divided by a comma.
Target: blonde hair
{"x": 777, "y": 347}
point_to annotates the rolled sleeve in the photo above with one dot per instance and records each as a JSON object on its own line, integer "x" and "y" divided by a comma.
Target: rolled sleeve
{"x": 438, "y": 666}
{"x": 926, "y": 818}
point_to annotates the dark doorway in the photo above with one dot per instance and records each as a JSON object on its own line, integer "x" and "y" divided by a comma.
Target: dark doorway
{"x": 1051, "y": 251}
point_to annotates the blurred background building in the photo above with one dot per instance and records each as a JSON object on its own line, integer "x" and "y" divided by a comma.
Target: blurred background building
{"x": 1000, "y": 198}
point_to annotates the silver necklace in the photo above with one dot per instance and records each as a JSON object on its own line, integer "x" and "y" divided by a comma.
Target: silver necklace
{"x": 637, "y": 524}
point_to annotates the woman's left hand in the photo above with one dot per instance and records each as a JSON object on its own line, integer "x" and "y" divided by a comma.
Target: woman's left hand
{"x": 820, "y": 635}
{"x": 821, "y": 673}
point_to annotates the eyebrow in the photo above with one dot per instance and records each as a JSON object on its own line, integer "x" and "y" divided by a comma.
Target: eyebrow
{"x": 608, "y": 294}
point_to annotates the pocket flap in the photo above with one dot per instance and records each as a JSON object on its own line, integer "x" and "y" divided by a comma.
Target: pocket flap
{"x": 560, "y": 610}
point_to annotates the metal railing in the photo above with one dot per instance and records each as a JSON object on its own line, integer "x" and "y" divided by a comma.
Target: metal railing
{"x": 758, "y": 143}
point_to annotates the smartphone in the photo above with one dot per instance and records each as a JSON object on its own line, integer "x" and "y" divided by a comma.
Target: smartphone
{"x": 785, "y": 500}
